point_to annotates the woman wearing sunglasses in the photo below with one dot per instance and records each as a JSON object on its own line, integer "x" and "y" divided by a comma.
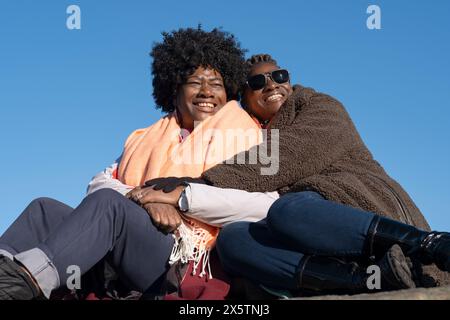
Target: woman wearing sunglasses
{"x": 336, "y": 202}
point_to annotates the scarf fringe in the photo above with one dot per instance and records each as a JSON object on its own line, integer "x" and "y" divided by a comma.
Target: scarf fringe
{"x": 184, "y": 250}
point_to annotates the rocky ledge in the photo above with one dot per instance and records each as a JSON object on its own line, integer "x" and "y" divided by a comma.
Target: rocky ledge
{"x": 438, "y": 293}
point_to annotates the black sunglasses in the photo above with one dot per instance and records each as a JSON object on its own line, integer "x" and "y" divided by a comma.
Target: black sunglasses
{"x": 259, "y": 81}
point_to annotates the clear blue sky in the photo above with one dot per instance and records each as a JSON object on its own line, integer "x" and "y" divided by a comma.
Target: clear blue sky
{"x": 69, "y": 98}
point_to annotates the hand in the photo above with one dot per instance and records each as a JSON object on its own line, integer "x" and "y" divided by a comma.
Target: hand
{"x": 144, "y": 195}
{"x": 169, "y": 184}
{"x": 135, "y": 194}
{"x": 164, "y": 216}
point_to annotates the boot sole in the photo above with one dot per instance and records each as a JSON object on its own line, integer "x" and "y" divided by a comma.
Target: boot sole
{"x": 400, "y": 268}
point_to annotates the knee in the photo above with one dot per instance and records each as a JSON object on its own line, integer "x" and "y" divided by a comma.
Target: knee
{"x": 106, "y": 195}
{"x": 106, "y": 202}
{"x": 44, "y": 206}
{"x": 278, "y": 213}
{"x": 43, "y": 202}
{"x": 46, "y": 209}
{"x": 293, "y": 205}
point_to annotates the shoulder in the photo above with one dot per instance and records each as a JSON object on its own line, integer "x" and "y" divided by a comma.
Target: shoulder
{"x": 318, "y": 106}
{"x": 135, "y": 134}
{"x": 310, "y": 101}
{"x": 309, "y": 96}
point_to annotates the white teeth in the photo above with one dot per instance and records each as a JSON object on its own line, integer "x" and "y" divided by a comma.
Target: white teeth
{"x": 274, "y": 97}
{"x": 206, "y": 104}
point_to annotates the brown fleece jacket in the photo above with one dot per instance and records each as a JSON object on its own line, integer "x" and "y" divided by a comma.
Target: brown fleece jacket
{"x": 320, "y": 150}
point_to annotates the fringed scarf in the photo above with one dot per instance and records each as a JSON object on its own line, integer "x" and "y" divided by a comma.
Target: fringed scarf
{"x": 158, "y": 151}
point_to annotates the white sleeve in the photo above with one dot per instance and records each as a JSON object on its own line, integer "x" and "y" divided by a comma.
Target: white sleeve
{"x": 219, "y": 207}
{"x": 105, "y": 179}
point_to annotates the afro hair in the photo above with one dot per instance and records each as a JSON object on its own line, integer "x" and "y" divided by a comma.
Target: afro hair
{"x": 181, "y": 52}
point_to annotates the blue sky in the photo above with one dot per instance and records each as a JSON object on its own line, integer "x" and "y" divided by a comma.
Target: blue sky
{"x": 69, "y": 98}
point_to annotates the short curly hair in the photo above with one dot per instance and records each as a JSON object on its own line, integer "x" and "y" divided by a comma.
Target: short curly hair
{"x": 182, "y": 51}
{"x": 259, "y": 58}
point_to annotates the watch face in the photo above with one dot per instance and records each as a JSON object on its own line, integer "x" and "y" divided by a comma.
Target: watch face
{"x": 182, "y": 202}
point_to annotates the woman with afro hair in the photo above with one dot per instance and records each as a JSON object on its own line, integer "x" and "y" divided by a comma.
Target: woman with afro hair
{"x": 196, "y": 75}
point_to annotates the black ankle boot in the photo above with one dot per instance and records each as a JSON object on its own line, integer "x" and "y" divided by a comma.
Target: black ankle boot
{"x": 15, "y": 283}
{"x": 326, "y": 275}
{"x": 427, "y": 247}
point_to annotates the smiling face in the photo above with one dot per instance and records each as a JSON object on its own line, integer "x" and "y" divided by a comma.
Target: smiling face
{"x": 266, "y": 102}
{"x": 201, "y": 96}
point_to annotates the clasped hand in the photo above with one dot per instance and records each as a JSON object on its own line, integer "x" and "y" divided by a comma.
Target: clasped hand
{"x": 162, "y": 207}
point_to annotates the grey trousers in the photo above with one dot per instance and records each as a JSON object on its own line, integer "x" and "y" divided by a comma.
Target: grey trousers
{"x": 49, "y": 234}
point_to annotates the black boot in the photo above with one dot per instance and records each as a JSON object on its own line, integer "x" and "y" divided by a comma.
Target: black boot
{"x": 15, "y": 283}
{"x": 325, "y": 275}
{"x": 427, "y": 247}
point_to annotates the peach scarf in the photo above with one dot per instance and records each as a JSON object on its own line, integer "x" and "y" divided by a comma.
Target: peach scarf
{"x": 158, "y": 151}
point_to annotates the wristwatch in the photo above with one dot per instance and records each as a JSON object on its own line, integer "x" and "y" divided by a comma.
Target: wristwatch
{"x": 183, "y": 204}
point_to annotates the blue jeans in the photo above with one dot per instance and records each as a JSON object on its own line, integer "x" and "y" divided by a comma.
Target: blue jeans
{"x": 304, "y": 223}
